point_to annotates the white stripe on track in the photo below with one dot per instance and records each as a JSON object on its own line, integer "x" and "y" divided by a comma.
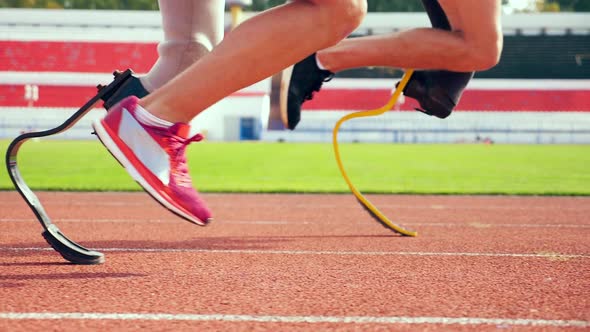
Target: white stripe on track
{"x": 96, "y": 220}
{"x": 484, "y": 225}
{"x": 340, "y": 206}
{"x": 305, "y": 222}
{"x": 108, "y": 220}
{"x": 293, "y": 319}
{"x": 549, "y": 255}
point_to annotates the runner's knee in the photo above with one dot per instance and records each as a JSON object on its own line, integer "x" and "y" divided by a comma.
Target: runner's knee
{"x": 343, "y": 17}
{"x": 487, "y": 55}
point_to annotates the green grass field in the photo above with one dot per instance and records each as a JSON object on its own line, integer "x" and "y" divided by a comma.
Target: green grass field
{"x": 276, "y": 167}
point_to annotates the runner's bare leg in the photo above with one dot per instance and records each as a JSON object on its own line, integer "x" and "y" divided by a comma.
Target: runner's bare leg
{"x": 475, "y": 44}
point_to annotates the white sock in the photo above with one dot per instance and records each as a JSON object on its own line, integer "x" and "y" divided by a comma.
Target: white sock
{"x": 191, "y": 29}
{"x": 320, "y": 65}
{"x": 149, "y": 119}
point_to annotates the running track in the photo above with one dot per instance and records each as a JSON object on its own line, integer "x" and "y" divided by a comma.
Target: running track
{"x": 300, "y": 262}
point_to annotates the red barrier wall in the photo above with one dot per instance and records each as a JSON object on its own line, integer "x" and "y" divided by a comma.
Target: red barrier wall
{"x": 94, "y": 57}
{"x": 89, "y": 57}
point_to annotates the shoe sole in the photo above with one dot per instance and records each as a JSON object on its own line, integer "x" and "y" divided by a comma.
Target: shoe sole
{"x": 284, "y": 94}
{"x": 111, "y": 146}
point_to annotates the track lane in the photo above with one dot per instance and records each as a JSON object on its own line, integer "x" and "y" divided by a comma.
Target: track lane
{"x": 312, "y": 263}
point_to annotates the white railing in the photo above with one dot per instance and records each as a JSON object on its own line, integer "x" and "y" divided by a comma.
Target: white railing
{"x": 460, "y": 127}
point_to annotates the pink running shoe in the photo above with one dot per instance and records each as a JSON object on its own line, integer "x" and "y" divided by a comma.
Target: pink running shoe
{"x": 154, "y": 157}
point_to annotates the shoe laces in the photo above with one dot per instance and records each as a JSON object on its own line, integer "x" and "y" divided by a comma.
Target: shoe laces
{"x": 178, "y": 163}
{"x": 317, "y": 85}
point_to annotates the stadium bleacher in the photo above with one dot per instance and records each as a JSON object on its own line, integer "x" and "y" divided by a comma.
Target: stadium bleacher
{"x": 61, "y": 52}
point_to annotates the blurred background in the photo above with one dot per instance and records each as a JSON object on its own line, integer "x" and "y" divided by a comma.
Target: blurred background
{"x": 257, "y": 5}
{"x": 54, "y": 53}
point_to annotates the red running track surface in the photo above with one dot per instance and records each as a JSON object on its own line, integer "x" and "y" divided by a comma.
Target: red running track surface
{"x": 300, "y": 262}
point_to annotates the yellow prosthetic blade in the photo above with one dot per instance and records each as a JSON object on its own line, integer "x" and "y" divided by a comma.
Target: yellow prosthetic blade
{"x": 380, "y": 217}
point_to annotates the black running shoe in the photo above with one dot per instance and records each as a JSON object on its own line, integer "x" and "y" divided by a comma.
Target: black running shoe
{"x": 298, "y": 84}
{"x": 437, "y": 91}
{"x": 130, "y": 87}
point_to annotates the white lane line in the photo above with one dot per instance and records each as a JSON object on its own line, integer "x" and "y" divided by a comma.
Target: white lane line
{"x": 303, "y": 222}
{"x": 116, "y": 220}
{"x": 340, "y": 206}
{"x": 96, "y": 220}
{"x": 294, "y": 319}
{"x": 484, "y": 225}
{"x": 547, "y": 255}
